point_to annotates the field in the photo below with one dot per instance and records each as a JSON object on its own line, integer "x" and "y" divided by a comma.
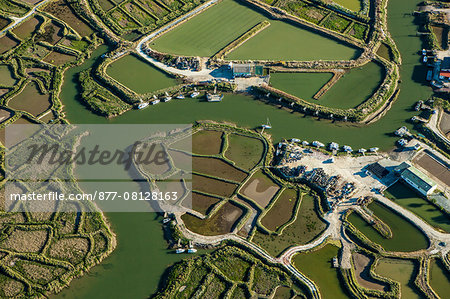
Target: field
{"x": 52, "y": 34}
{"x": 203, "y": 203}
{"x": 3, "y": 22}
{"x": 229, "y": 19}
{"x": 403, "y": 271}
{"x": 439, "y": 278}
{"x": 212, "y": 186}
{"x": 317, "y": 266}
{"x": 406, "y": 237}
{"x": 217, "y": 168}
{"x": 57, "y": 58}
{"x": 144, "y": 78}
{"x": 282, "y": 211}
{"x": 444, "y": 125}
{"x": 384, "y": 51}
{"x": 62, "y": 11}
{"x": 439, "y": 33}
{"x": 206, "y": 142}
{"x": 25, "y": 29}
{"x": 6, "y": 44}
{"x": 6, "y": 78}
{"x": 303, "y": 230}
{"x": 434, "y": 167}
{"x": 30, "y": 100}
{"x": 354, "y": 5}
{"x": 221, "y": 222}
{"x": 229, "y": 269}
{"x": 302, "y": 85}
{"x": 245, "y": 152}
{"x": 260, "y": 188}
{"x": 226, "y": 21}
{"x": 13, "y": 9}
{"x": 288, "y": 42}
{"x": 350, "y": 90}
{"x": 409, "y": 199}
{"x": 4, "y": 115}
{"x": 362, "y": 264}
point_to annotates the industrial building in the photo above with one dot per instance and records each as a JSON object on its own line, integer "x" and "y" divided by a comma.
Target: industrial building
{"x": 246, "y": 70}
{"x": 416, "y": 179}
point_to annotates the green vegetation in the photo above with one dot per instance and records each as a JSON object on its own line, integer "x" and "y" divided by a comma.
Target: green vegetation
{"x": 350, "y": 90}
{"x": 222, "y": 221}
{"x": 335, "y": 23}
{"x": 302, "y": 85}
{"x": 231, "y": 270}
{"x": 317, "y": 265}
{"x": 406, "y": 237}
{"x": 304, "y": 229}
{"x": 359, "y": 31}
{"x": 354, "y": 5}
{"x": 6, "y": 78}
{"x": 245, "y": 152}
{"x": 402, "y": 271}
{"x": 288, "y": 42}
{"x": 282, "y": 210}
{"x": 407, "y": 198}
{"x": 144, "y": 78}
{"x": 229, "y": 19}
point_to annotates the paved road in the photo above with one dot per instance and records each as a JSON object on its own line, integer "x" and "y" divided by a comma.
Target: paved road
{"x": 17, "y": 21}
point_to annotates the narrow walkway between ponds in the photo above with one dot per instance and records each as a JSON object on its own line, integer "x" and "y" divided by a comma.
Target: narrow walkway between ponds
{"x": 17, "y": 21}
{"x": 433, "y": 125}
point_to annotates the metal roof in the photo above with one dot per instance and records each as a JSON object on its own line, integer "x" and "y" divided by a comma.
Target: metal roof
{"x": 419, "y": 178}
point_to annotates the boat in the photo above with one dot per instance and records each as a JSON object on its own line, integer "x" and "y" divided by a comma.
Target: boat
{"x": 192, "y": 250}
{"x": 165, "y": 220}
{"x": 267, "y": 125}
{"x": 167, "y": 97}
{"x": 180, "y": 96}
{"x": 334, "y": 146}
{"x": 424, "y": 52}
{"x": 295, "y": 140}
{"x": 362, "y": 150}
{"x": 195, "y": 93}
{"x": 425, "y": 58}
{"x": 180, "y": 250}
{"x": 347, "y": 148}
{"x": 402, "y": 142}
{"x": 373, "y": 149}
{"x": 305, "y": 143}
{"x": 317, "y": 144}
{"x": 155, "y": 102}
{"x": 143, "y": 105}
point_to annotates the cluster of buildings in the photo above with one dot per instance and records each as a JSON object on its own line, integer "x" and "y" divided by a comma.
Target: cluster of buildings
{"x": 438, "y": 72}
{"x": 179, "y": 62}
{"x": 246, "y": 70}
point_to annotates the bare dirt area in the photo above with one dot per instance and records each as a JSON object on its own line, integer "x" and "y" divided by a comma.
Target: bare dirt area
{"x": 203, "y": 203}
{"x": 25, "y": 30}
{"x": 444, "y": 125}
{"x": 212, "y": 186}
{"x": 4, "y": 115}
{"x": 30, "y": 100}
{"x": 282, "y": 211}
{"x": 207, "y": 142}
{"x": 217, "y": 168}
{"x": 57, "y": 58}
{"x": 435, "y": 168}
{"x": 260, "y": 188}
{"x": 6, "y": 44}
{"x": 219, "y": 223}
{"x": 61, "y": 10}
{"x": 362, "y": 273}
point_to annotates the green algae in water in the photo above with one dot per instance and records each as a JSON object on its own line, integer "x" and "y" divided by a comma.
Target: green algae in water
{"x": 402, "y": 271}
{"x": 317, "y": 266}
{"x": 406, "y": 237}
{"x": 439, "y": 278}
{"x": 139, "y": 75}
